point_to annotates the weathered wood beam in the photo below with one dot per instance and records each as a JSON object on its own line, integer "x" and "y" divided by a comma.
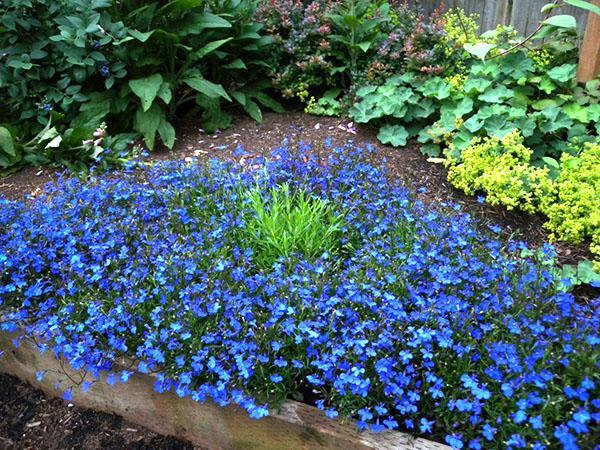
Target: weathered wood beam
{"x": 589, "y": 55}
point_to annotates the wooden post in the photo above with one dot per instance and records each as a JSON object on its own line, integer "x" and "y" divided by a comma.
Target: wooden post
{"x": 589, "y": 55}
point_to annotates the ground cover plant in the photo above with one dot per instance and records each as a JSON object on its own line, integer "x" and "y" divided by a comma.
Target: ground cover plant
{"x": 411, "y": 318}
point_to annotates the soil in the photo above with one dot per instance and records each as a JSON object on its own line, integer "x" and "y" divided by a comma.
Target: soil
{"x": 31, "y": 420}
{"x": 28, "y": 419}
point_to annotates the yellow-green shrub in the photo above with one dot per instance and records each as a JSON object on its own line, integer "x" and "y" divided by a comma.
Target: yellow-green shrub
{"x": 574, "y": 213}
{"x": 501, "y": 168}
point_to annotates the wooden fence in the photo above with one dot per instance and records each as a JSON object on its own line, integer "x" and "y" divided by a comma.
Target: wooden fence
{"x": 523, "y": 15}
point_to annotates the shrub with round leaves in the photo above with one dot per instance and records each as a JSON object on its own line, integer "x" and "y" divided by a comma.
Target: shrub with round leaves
{"x": 428, "y": 324}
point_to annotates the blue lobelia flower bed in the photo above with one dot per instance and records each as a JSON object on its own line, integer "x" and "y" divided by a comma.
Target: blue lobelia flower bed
{"x": 410, "y": 319}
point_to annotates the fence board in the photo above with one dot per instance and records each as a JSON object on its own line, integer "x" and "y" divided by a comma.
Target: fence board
{"x": 526, "y": 15}
{"x": 523, "y": 15}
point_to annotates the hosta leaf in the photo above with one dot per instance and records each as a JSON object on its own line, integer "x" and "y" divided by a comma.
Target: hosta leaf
{"x": 147, "y": 89}
{"x": 393, "y": 134}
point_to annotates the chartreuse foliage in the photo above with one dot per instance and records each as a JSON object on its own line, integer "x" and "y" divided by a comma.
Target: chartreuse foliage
{"x": 502, "y": 170}
{"x": 574, "y": 213}
{"x": 430, "y": 324}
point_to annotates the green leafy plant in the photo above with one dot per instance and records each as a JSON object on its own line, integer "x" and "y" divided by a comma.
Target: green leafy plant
{"x": 574, "y": 214}
{"x": 501, "y": 168}
{"x": 356, "y": 28}
{"x": 136, "y": 66}
{"x": 185, "y": 54}
{"x": 290, "y": 222}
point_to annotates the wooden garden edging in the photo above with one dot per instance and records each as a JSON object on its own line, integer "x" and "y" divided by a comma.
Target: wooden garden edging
{"x": 296, "y": 427}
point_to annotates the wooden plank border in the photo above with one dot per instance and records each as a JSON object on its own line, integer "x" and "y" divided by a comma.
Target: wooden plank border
{"x": 295, "y": 427}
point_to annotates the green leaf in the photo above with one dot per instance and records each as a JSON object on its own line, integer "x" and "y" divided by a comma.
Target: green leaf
{"x": 209, "y": 48}
{"x": 549, "y": 7}
{"x": 431, "y": 150}
{"x": 551, "y": 162}
{"x": 235, "y": 64}
{"x": 164, "y": 93}
{"x": 273, "y": 105}
{"x": 239, "y": 97}
{"x": 142, "y": 37}
{"x": 496, "y": 95}
{"x": 167, "y": 133}
{"x": 584, "y": 5}
{"x": 586, "y": 272}
{"x": 393, "y": 134}
{"x": 253, "y": 110}
{"x": 473, "y": 85}
{"x": 147, "y": 123}
{"x": 146, "y": 89}
{"x": 7, "y": 143}
{"x": 543, "y": 104}
{"x": 479, "y": 50}
{"x": 576, "y": 112}
{"x": 208, "y": 88}
{"x": 562, "y": 21}
{"x": 55, "y": 142}
{"x": 563, "y": 73}
{"x": 364, "y": 46}
{"x": 436, "y": 87}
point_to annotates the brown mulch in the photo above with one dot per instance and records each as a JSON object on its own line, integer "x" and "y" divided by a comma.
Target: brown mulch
{"x": 30, "y": 420}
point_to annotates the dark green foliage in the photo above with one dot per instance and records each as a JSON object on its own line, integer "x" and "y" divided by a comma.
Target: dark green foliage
{"x": 135, "y": 65}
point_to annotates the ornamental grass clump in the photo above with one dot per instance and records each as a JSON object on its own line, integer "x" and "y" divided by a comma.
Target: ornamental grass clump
{"x": 431, "y": 324}
{"x": 284, "y": 223}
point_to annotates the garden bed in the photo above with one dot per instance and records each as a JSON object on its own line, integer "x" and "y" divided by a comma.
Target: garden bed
{"x": 391, "y": 279}
{"x": 407, "y": 165}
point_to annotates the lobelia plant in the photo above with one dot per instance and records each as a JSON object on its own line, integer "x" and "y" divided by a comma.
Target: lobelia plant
{"x": 432, "y": 324}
